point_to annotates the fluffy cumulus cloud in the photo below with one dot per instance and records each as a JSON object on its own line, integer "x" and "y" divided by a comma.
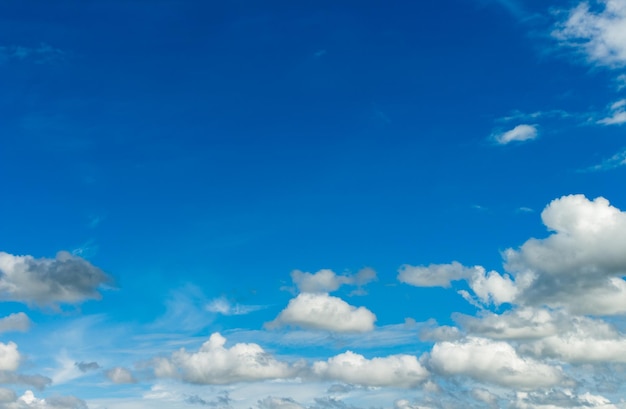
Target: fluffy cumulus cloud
{"x": 491, "y": 361}
{"x": 15, "y": 322}
{"x": 520, "y": 133}
{"x": 488, "y": 287}
{"x": 581, "y": 264}
{"x": 325, "y": 281}
{"x": 9, "y": 356}
{"x": 597, "y": 32}
{"x": 324, "y": 312}
{"x": 49, "y": 282}
{"x": 585, "y": 341}
{"x": 213, "y": 363}
{"x": 394, "y": 370}
{"x": 492, "y": 287}
{"x": 120, "y": 375}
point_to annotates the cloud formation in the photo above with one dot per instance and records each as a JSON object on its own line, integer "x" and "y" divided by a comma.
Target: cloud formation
{"x": 213, "y": 363}
{"x": 15, "y": 322}
{"x": 324, "y": 312}
{"x": 494, "y": 362}
{"x": 223, "y": 306}
{"x": 600, "y": 35}
{"x": 66, "y": 279}
{"x": 120, "y": 375}
{"x": 325, "y": 281}
{"x": 435, "y": 275}
{"x": 520, "y": 133}
{"x": 403, "y": 371}
{"x": 617, "y": 114}
{"x": 9, "y": 356}
{"x": 581, "y": 264}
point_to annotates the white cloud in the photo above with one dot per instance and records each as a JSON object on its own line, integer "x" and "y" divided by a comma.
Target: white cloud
{"x": 9, "y": 357}
{"x": 324, "y": 312}
{"x": 580, "y": 265}
{"x": 15, "y": 322}
{"x": 215, "y": 364}
{"x": 492, "y": 287}
{"x": 520, "y": 323}
{"x": 523, "y": 132}
{"x": 120, "y": 375}
{"x": 325, "y": 281}
{"x": 395, "y": 370}
{"x": 586, "y": 341}
{"x": 599, "y": 35}
{"x": 223, "y": 306}
{"x": 617, "y": 114}
{"x": 492, "y": 361}
{"x": 48, "y": 282}
{"x": 435, "y": 275}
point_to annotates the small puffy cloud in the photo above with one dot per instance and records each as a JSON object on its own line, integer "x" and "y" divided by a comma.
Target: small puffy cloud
{"x": 434, "y": 275}
{"x": 324, "y": 312}
{"x": 49, "y": 282}
{"x": 581, "y": 264}
{"x": 492, "y": 361}
{"x": 600, "y": 34}
{"x": 492, "y": 287}
{"x": 213, "y": 363}
{"x": 223, "y": 306}
{"x": 15, "y": 322}
{"x": 9, "y": 357}
{"x": 325, "y": 281}
{"x": 395, "y": 370}
{"x": 120, "y": 375}
{"x": 617, "y": 114}
{"x": 523, "y": 132}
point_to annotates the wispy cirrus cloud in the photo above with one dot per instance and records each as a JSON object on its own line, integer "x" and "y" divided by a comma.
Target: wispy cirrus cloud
{"x": 222, "y": 305}
{"x": 596, "y": 31}
{"x": 617, "y": 114}
{"x": 615, "y": 161}
{"x": 42, "y": 54}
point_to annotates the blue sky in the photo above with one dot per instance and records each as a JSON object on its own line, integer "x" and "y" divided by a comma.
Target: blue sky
{"x": 320, "y": 205}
